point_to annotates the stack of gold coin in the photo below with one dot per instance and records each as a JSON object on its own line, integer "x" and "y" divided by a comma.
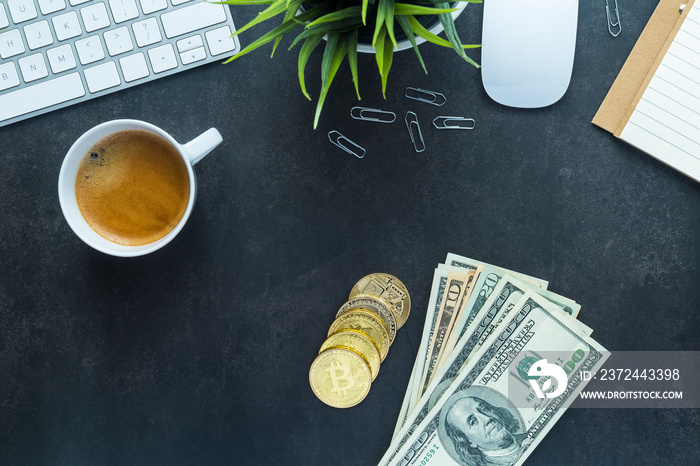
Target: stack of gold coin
{"x": 359, "y": 339}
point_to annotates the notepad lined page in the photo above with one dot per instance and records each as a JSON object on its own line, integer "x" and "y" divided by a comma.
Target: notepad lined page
{"x": 666, "y": 121}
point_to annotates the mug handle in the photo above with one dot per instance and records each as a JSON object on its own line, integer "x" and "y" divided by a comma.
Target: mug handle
{"x": 196, "y": 149}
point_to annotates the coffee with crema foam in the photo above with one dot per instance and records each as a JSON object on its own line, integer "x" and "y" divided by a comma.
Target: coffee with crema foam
{"x": 132, "y": 187}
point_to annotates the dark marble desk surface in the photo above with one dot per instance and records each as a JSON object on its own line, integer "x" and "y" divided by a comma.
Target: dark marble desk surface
{"x": 199, "y": 353}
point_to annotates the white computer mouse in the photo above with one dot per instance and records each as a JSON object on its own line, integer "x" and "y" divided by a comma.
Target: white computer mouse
{"x": 527, "y": 52}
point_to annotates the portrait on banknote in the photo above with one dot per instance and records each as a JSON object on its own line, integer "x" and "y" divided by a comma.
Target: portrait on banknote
{"x": 479, "y": 426}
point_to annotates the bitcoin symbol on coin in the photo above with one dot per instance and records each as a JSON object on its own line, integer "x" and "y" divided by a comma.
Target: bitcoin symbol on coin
{"x": 337, "y": 378}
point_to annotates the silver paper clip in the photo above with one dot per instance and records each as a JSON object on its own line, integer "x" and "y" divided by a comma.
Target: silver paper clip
{"x": 614, "y": 25}
{"x": 335, "y": 137}
{"x": 428, "y": 97}
{"x": 372, "y": 114}
{"x": 414, "y": 131}
{"x": 449, "y": 122}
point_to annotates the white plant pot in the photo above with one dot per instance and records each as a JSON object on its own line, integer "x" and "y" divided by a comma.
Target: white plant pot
{"x": 405, "y": 43}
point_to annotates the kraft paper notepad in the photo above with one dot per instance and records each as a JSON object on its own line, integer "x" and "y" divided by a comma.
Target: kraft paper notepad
{"x": 654, "y": 104}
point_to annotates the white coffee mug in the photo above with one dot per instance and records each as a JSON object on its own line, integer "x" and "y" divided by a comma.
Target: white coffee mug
{"x": 191, "y": 152}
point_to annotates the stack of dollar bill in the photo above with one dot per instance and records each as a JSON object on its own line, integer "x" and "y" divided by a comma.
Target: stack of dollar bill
{"x": 501, "y": 358}
{"x": 359, "y": 339}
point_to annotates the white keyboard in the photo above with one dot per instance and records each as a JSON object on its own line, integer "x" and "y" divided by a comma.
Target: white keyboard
{"x": 55, "y": 53}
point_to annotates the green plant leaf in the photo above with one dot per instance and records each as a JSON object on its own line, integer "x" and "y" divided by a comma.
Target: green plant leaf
{"x": 388, "y": 59}
{"x": 265, "y": 38}
{"x": 451, "y": 33}
{"x": 385, "y": 18}
{"x": 332, "y": 46}
{"x": 365, "y": 3}
{"x": 384, "y": 54}
{"x": 406, "y": 26}
{"x": 334, "y": 27}
{"x": 292, "y": 8}
{"x": 430, "y": 37}
{"x": 449, "y": 25}
{"x": 315, "y": 12}
{"x": 407, "y": 9}
{"x": 419, "y": 29}
{"x": 379, "y": 45}
{"x": 309, "y": 45}
{"x": 352, "y": 60}
{"x": 279, "y": 6}
{"x": 388, "y": 5}
{"x": 350, "y": 12}
{"x": 333, "y": 56}
{"x": 379, "y": 23}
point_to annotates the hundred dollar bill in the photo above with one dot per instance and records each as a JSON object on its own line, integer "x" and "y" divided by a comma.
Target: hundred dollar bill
{"x": 491, "y": 316}
{"x": 481, "y": 418}
{"x": 495, "y": 310}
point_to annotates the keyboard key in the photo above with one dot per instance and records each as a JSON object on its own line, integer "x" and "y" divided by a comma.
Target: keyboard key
{"x": 191, "y": 18}
{"x": 183, "y": 45}
{"x": 66, "y": 25}
{"x": 22, "y": 10}
{"x": 42, "y": 95}
{"x": 123, "y": 10}
{"x": 134, "y": 67}
{"x": 146, "y": 32}
{"x": 8, "y": 76}
{"x": 149, "y": 6}
{"x": 162, "y": 58}
{"x": 38, "y": 34}
{"x": 118, "y": 41}
{"x": 61, "y": 58}
{"x": 11, "y": 43}
{"x": 220, "y": 41}
{"x": 78, "y": 2}
{"x": 51, "y": 6}
{"x": 33, "y": 67}
{"x": 4, "y": 20}
{"x": 95, "y": 16}
{"x": 102, "y": 77}
{"x": 89, "y": 50}
{"x": 193, "y": 55}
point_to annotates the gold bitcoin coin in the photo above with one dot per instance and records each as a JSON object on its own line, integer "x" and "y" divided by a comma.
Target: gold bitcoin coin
{"x": 356, "y": 341}
{"x": 388, "y": 288}
{"x": 376, "y": 305}
{"x": 366, "y": 322}
{"x": 340, "y": 377}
